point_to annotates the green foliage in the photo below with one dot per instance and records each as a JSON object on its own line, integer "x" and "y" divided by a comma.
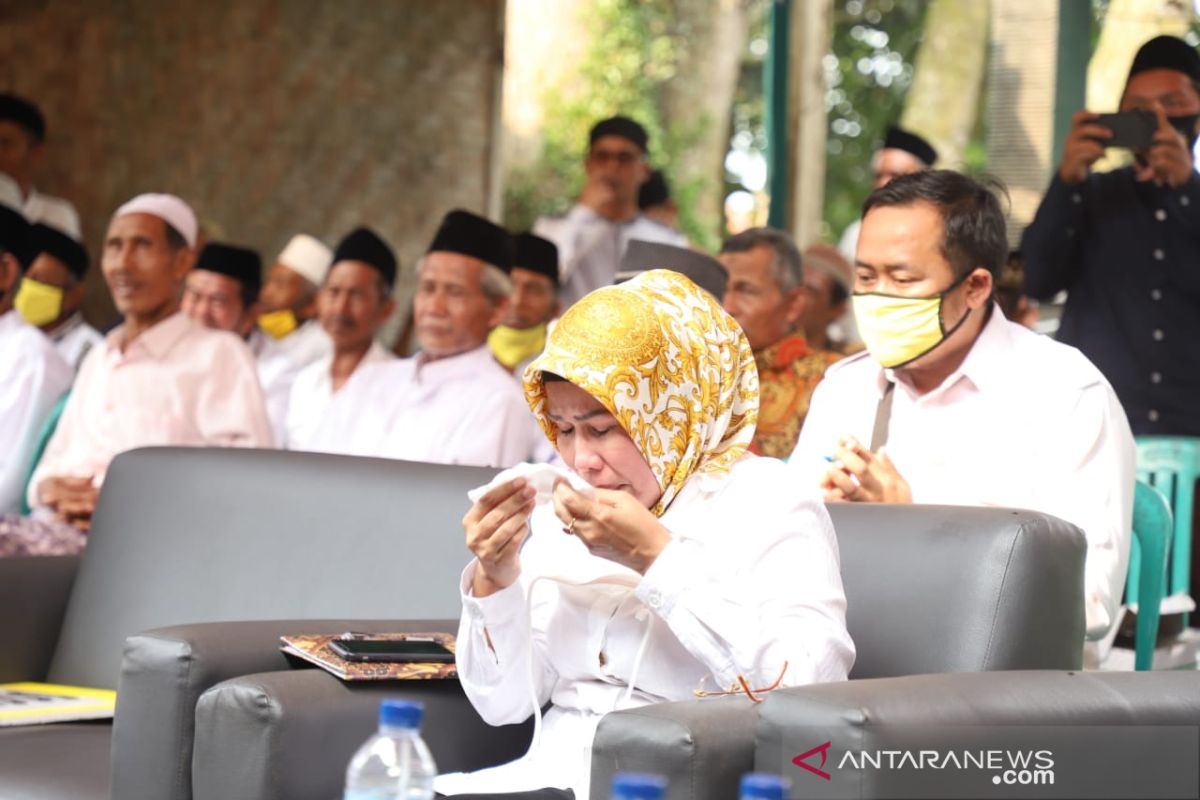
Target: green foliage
{"x": 634, "y": 51}
{"x": 868, "y": 75}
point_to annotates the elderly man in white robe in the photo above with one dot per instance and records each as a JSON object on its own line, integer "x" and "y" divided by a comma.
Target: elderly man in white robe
{"x": 452, "y": 402}
{"x": 288, "y": 300}
{"x": 32, "y": 373}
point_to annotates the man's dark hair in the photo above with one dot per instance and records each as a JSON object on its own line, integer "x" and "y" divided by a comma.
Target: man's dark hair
{"x": 25, "y": 114}
{"x": 972, "y": 218}
{"x": 786, "y": 267}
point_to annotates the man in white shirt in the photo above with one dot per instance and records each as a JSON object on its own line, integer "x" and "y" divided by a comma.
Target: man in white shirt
{"x": 32, "y": 374}
{"x": 354, "y": 303}
{"x": 22, "y": 147}
{"x": 221, "y": 292}
{"x": 593, "y": 235}
{"x": 157, "y": 379}
{"x": 974, "y": 409}
{"x": 52, "y": 292}
{"x": 288, "y": 300}
{"x": 452, "y": 403}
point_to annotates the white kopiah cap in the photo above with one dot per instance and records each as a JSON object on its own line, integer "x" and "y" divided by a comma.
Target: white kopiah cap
{"x": 167, "y": 207}
{"x": 308, "y": 257}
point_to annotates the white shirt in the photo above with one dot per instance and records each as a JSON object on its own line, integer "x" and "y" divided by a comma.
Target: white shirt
{"x": 178, "y": 383}
{"x": 32, "y": 378}
{"x": 725, "y": 598}
{"x": 1025, "y": 422}
{"x": 312, "y": 392}
{"x": 53, "y": 211}
{"x": 590, "y": 246}
{"x": 74, "y": 338}
{"x": 462, "y": 409}
{"x": 308, "y": 344}
{"x": 276, "y": 374}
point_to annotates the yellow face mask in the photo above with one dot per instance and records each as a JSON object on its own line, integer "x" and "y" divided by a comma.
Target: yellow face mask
{"x": 279, "y": 324}
{"x": 511, "y": 346}
{"x": 39, "y": 303}
{"x": 899, "y": 330}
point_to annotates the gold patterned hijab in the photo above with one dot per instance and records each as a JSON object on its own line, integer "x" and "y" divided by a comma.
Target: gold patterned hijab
{"x": 668, "y": 363}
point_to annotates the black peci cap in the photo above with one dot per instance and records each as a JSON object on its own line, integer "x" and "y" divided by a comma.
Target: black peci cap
{"x": 240, "y": 263}
{"x": 46, "y": 239}
{"x": 536, "y": 255}
{"x": 472, "y": 235}
{"x": 363, "y": 244}
{"x": 909, "y": 142}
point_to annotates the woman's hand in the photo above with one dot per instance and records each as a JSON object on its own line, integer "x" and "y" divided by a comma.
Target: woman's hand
{"x": 496, "y": 526}
{"x": 615, "y": 526}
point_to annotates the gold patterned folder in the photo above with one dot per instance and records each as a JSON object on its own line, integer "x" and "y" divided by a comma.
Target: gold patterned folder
{"x": 316, "y": 650}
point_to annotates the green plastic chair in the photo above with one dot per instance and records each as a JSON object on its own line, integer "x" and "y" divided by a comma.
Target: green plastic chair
{"x": 1146, "y": 584}
{"x": 43, "y": 439}
{"x": 1171, "y": 464}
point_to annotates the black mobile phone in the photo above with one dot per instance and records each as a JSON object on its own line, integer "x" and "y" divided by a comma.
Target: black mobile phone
{"x": 1131, "y": 129}
{"x": 404, "y": 650}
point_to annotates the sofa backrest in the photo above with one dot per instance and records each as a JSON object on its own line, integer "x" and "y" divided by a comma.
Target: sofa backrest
{"x": 187, "y": 535}
{"x": 957, "y": 589}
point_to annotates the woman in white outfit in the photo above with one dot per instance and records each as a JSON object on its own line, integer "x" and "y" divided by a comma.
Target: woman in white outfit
{"x": 692, "y": 566}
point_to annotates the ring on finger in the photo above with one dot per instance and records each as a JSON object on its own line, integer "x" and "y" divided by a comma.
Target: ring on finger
{"x": 570, "y": 526}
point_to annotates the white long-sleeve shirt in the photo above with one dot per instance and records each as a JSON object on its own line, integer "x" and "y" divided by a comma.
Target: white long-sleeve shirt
{"x": 312, "y": 394}
{"x": 53, "y": 211}
{"x": 461, "y": 409}
{"x": 750, "y": 580}
{"x": 1025, "y": 422}
{"x": 308, "y": 344}
{"x": 590, "y": 247}
{"x": 32, "y": 378}
{"x": 276, "y": 374}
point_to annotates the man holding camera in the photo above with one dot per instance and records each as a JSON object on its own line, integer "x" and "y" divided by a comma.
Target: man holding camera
{"x": 1126, "y": 245}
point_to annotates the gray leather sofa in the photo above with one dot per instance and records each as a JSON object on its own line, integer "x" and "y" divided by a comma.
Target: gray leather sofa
{"x": 929, "y": 590}
{"x": 187, "y": 536}
{"x": 192, "y": 549}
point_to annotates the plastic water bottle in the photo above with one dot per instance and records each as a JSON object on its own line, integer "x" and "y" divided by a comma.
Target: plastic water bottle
{"x": 763, "y": 786}
{"x": 394, "y": 764}
{"x": 638, "y": 786}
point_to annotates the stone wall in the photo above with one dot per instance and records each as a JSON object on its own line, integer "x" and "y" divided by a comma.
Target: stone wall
{"x": 270, "y": 116}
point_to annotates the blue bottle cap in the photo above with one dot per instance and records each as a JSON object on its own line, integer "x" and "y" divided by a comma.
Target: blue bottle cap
{"x": 638, "y": 786}
{"x": 763, "y": 786}
{"x": 401, "y": 713}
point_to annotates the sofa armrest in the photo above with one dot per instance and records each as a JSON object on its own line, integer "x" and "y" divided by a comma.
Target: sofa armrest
{"x": 290, "y": 735}
{"x": 163, "y": 673}
{"x": 1093, "y": 725}
{"x": 702, "y": 747}
{"x": 33, "y": 592}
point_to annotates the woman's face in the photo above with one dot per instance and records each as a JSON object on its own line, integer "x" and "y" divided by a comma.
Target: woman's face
{"x": 593, "y": 444}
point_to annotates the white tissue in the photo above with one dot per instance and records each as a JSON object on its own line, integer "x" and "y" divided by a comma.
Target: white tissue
{"x": 541, "y": 477}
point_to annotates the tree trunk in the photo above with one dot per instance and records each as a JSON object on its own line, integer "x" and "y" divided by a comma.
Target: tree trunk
{"x": 697, "y": 99}
{"x": 943, "y": 103}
